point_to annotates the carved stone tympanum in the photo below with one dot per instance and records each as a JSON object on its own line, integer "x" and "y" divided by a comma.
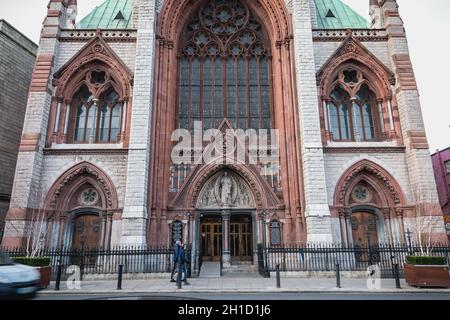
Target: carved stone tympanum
{"x": 225, "y": 190}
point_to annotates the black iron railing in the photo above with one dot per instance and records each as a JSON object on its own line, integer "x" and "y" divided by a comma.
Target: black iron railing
{"x": 135, "y": 259}
{"x": 298, "y": 258}
{"x": 324, "y": 257}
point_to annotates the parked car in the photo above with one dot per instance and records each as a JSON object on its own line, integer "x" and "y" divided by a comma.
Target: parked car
{"x": 17, "y": 280}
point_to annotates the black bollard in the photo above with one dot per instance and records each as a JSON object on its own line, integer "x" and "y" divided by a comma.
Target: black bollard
{"x": 119, "y": 280}
{"x": 58, "y": 276}
{"x": 278, "y": 276}
{"x": 338, "y": 276}
{"x": 81, "y": 270}
{"x": 180, "y": 270}
{"x": 397, "y": 276}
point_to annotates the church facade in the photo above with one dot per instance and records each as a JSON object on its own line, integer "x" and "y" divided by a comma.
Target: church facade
{"x": 108, "y": 93}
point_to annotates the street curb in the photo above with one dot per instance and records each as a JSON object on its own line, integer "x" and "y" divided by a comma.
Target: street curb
{"x": 342, "y": 291}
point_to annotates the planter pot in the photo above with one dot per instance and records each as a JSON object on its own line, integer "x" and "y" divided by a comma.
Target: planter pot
{"x": 46, "y": 274}
{"x": 427, "y": 276}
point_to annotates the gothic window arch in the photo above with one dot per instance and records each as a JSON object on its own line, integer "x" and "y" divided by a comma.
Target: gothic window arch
{"x": 354, "y": 113}
{"x": 224, "y": 69}
{"x": 96, "y": 110}
{"x": 92, "y": 99}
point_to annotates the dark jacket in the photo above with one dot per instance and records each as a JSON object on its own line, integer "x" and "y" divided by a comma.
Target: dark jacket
{"x": 182, "y": 256}
{"x": 177, "y": 252}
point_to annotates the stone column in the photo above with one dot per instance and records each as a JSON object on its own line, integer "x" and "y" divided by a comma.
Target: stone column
{"x": 196, "y": 236}
{"x": 226, "y": 254}
{"x": 317, "y": 211}
{"x": 418, "y": 160}
{"x": 255, "y": 238}
{"x": 134, "y": 230}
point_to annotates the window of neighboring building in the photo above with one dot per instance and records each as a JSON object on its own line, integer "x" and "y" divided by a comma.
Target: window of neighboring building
{"x": 224, "y": 69}
{"x": 447, "y": 164}
{"x": 353, "y": 109}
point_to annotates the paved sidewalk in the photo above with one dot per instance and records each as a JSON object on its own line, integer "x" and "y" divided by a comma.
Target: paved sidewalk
{"x": 237, "y": 283}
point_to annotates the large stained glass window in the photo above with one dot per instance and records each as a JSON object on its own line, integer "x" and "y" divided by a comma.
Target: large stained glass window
{"x": 224, "y": 69}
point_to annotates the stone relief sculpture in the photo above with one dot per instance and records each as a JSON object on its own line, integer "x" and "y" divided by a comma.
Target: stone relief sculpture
{"x": 225, "y": 190}
{"x": 226, "y": 185}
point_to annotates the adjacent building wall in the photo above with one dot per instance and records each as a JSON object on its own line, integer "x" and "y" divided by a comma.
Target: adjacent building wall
{"x": 17, "y": 57}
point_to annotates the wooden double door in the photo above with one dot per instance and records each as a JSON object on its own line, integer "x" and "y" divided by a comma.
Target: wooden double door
{"x": 86, "y": 233}
{"x": 364, "y": 228}
{"x": 365, "y": 237}
{"x": 240, "y": 238}
{"x": 211, "y": 239}
{"x": 241, "y": 235}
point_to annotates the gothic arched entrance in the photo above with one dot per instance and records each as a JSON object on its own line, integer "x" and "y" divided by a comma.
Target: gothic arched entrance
{"x": 226, "y": 219}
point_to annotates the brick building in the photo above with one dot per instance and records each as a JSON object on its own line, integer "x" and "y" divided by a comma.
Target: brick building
{"x": 109, "y": 91}
{"x": 441, "y": 165}
{"x": 17, "y": 57}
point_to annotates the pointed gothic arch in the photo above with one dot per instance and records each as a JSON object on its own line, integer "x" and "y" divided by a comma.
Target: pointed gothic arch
{"x": 93, "y": 97}
{"x": 175, "y": 14}
{"x": 357, "y": 100}
{"x": 95, "y": 54}
{"x": 369, "y": 203}
{"x": 353, "y": 53}
{"x": 262, "y": 194}
{"x": 276, "y": 22}
{"x": 376, "y": 176}
{"x": 69, "y": 183}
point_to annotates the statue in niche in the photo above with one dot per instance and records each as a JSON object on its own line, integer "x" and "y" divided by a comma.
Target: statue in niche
{"x": 211, "y": 197}
{"x": 226, "y": 185}
{"x": 246, "y": 199}
{"x": 205, "y": 198}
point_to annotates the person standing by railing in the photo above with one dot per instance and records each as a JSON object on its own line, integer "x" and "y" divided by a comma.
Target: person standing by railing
{"x": 179, "y": 257}
{"x": 176, "y": 255}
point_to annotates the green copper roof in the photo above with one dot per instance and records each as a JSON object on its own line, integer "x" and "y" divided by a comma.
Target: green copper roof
{"x": 344, "y": 16}
{"x": 104, "y": 16}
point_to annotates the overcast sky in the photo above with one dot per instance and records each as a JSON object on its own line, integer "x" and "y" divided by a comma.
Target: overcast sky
{"x": 427, "y": 26}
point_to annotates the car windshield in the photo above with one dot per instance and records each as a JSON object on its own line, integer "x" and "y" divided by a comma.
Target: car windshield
{"x": 5, "y": 260}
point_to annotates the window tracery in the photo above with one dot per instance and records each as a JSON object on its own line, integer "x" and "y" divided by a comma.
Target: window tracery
{"x": 224, "y": 69}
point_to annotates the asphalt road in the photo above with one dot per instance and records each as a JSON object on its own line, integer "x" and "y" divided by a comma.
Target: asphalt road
{"x": 254, "y": 296}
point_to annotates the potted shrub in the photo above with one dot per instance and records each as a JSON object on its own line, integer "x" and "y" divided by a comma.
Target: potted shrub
{"x": 42, "y": 264}
{"x": 425, "y": 271}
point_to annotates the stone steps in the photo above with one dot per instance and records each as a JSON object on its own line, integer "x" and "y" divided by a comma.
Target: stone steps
{"x": 239, "y": 268}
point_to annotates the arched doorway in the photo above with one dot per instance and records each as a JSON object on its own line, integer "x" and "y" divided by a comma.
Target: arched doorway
{"x": 216, "y": 63}
{"x": 368, "y": 203}
{"x": 83, "y": 201}
{"x": 226, "y": 218}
